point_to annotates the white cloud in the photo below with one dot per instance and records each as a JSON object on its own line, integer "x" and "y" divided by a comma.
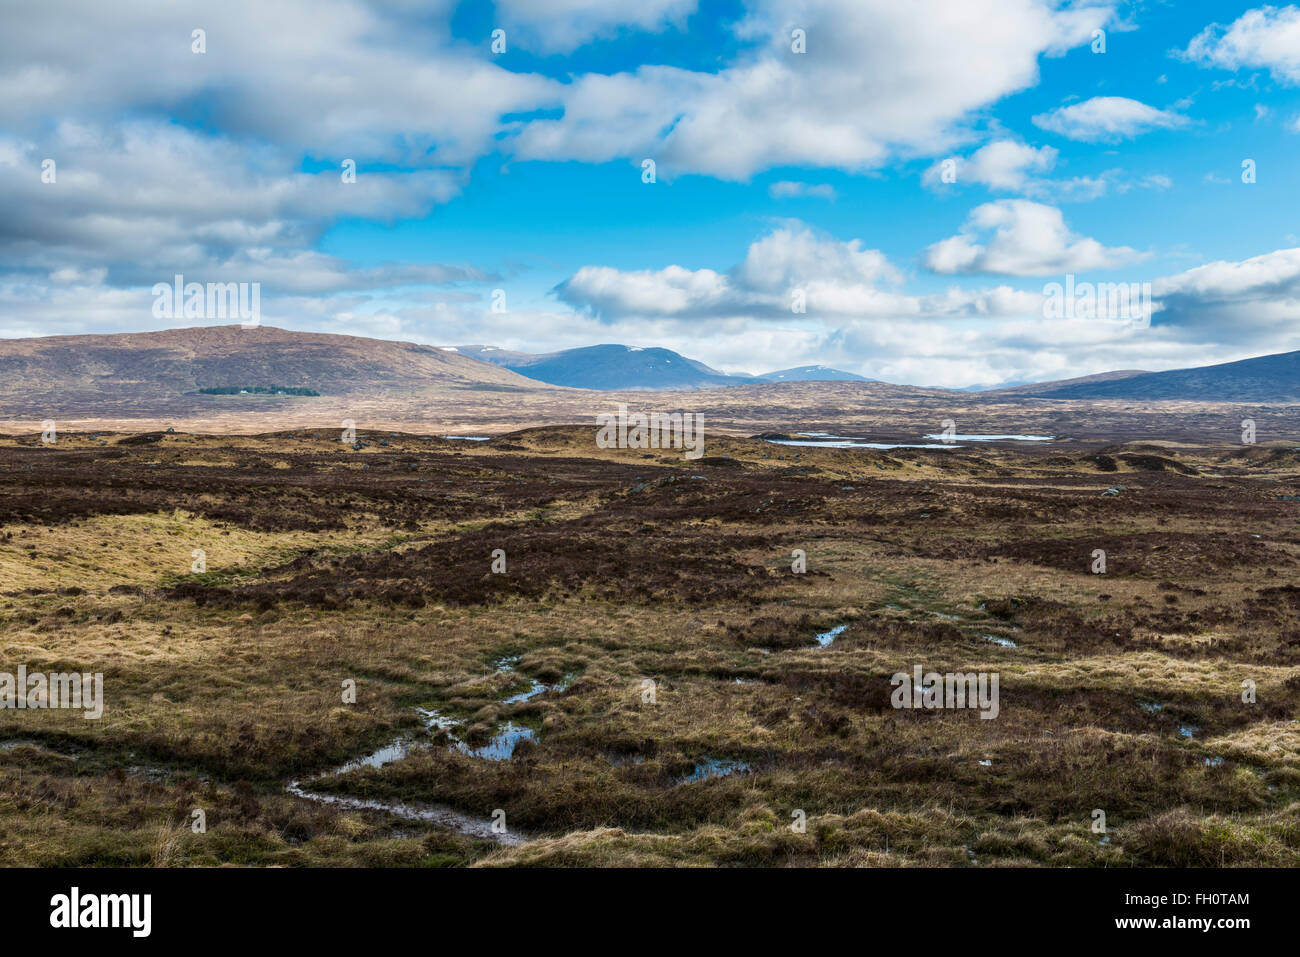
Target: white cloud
{"x": 1027, "y": 239}
{"x": 1271, "y": 274}
{"x": 835, "y": 278}
{"x": 673, "y": 291}
{"x": 560, "y": 26}
{"x": 1001, "y": 165}
{"x": 789, "y": 256}
{"x": 334, "y": 78}
{"x": 1107, "y": 119}
{"x": 1011, "y": 166}
{"x": 1252, "y": 304}
{"x": 1264, "y": 38}
{"x": 386, "y": 81}
{"x": 145, "y": 199}
{"x": 905, "y": 76}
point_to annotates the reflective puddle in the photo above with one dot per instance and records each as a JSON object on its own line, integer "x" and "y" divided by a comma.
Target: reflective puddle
{"x": 501, "y": 747}
{"x": 999, "y": 640}
{"x": 826, "y": 638}
{"x": 823, "y": 441}
{"x": 978, "y": 437}
{"x": 707, "y": 768}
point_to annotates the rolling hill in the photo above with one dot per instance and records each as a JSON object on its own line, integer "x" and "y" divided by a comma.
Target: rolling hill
{"x": 98, "y": 375}
{"x": 1274, "y": 378}
{"x": 1035, "y": 388}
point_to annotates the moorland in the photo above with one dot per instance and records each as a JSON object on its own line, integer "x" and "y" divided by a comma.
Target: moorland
{"x": 610, "y": 654}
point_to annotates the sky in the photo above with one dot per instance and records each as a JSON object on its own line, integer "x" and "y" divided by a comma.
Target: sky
{"x": 896, "y": 188}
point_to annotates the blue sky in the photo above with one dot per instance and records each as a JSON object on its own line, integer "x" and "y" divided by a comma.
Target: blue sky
{"x": 779, "y": 175}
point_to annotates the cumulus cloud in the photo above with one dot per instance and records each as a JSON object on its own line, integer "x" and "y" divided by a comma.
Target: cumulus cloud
{"x": 790, "y": 264}
{"x": 560, "y": 26}
{"x": 1016, "y": 237}
{"x": 930, "y": 65}
{"x": 1012, "y": 166}
{"x": 387, "y": 81}
{"x": 673, "y": 291}
{"x": 1263, "y": 38}
{"x": 1107, "y": 119}
{"x": 138, "y": 203}
{"x": 1272, "y": 274}
{"x": 1254, "y": 300}
{"x": 338, "y": 78}
{"x": 791, "y": 255}
{"x": 145, "y": 199}
{"x": 1005, "y": 165}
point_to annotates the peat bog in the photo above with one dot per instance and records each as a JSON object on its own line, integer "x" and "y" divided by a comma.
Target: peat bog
{"x": 645, "y": 683}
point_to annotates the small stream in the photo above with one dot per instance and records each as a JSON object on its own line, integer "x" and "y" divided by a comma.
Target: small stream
{"x": 500, "y": 747}
{"x": 438, "y": 814}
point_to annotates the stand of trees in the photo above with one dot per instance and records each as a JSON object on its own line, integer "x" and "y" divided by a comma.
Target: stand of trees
{"x": 258, "y": 390}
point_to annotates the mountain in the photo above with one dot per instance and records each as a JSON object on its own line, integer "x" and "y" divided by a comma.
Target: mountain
{"x": 113, "y": 375}
{"x": 1274, "y": 378}
{"x": 813, "y": 374}
{"x": 169, "y": 378}
{"x": 616, "y": 367}
{"x": 610, "y": 368}
{"x": 1036, "y": 388}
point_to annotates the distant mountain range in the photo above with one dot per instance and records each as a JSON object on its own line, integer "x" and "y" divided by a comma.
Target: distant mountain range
{"x": 1274, "y": 378}
{"x": 618, "y": 367}
{"x": 227, "y": 374}
{"x": 1035, "y": 388}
